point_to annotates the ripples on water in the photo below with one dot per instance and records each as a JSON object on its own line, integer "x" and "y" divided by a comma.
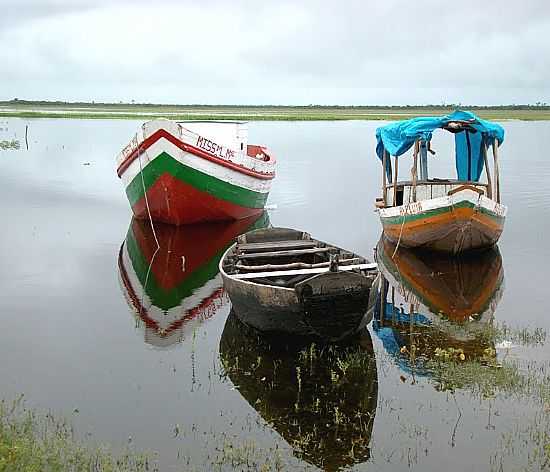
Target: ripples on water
{"x": 91, "y": 320}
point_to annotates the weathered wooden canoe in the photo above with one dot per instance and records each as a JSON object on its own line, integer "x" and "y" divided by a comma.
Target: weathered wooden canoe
{"x": 177, "y": 287}
{"x": 327, "y": 415}
{"x": 189, "y": 172}
{"x": 448, "y": 215}
{"x": 282, "y": 280}
{"x": 430, "y": 301}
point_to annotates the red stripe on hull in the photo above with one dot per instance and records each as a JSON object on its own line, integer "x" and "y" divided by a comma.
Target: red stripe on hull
{"x": 161, "y": 133}
{"x": 175, "y": 202}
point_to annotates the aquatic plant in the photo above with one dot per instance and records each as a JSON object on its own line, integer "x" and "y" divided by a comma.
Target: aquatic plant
{"x": 11, "y": 144}
{"x": 43, "y": 443}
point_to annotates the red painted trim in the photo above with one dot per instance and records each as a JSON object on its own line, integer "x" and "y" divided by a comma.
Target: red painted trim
{"x": 192, "y": 313}
{"x": 162, "y": 133}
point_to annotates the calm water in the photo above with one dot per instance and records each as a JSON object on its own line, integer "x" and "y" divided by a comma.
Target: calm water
{"x": 170, "y": 370}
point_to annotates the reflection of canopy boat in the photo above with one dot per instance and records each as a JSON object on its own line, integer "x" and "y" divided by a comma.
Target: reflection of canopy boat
{"x": 320, "y": 399}
{"x": 441, "y": 214}
{"x": 195, "y": 171}
{"x": 283, "y": 280}
{"x": 436, "y": 300}
{"x": 179, "y": 286}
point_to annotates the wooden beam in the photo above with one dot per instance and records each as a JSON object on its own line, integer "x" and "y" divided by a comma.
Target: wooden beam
{"x": 292, "y": 252}
{"x": 496, "y": 171}
{"x": 488, "y": 171}
{"x": 293, "y": 265}
{"x": 415, "y": 169}
{"x": 270, "y": 245}
{"x": 384, "y": 192}
{"x": 395, "y": 184}
{"x": 285, "y": 273}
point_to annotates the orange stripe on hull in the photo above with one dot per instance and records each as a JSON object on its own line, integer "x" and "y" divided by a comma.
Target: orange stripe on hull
{"x": 453, "y": 231}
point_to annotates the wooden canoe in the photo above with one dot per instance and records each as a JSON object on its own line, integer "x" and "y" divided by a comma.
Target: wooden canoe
{"x": 282, "y": 280}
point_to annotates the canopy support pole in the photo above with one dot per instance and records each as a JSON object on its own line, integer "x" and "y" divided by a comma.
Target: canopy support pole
{"x": 415, "y": 170}
{"x": 496, "y": 171}
{"x": 384, "y": 190}
{"x": 488, "y": 171}
{"x": 423, "y": 160}
{"x": 395, "y": 184}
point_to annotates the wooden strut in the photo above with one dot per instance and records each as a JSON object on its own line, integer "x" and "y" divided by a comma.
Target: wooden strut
{"x": 496, "y": 171}
{"x": 384, "y": 192}
{"x": 488, "y": 172}
{"x": 395, "y": 184}
{"x": 415, "y": 169}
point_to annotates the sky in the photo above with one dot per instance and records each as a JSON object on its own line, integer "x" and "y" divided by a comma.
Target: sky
{"x": 394, "y": 52}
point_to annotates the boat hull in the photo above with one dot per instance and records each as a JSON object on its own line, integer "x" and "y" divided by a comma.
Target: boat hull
{"x": 168, "y": 177}
{"x": 457, "y": 223}
{"x": 329, "y": 306}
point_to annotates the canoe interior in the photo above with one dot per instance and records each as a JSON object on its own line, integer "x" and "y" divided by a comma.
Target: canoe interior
{"x": 283, "y": 257}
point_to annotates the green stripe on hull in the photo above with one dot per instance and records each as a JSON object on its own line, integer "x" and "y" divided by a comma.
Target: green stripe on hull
{"x": 398, "y": 220}
{"x": 164, "y": 299}
{"x": 168, "y": 299}
{"x": 164, "y": 163}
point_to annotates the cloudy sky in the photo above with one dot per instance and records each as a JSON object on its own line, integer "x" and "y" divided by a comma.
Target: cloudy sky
{"x": 276, "y": 51}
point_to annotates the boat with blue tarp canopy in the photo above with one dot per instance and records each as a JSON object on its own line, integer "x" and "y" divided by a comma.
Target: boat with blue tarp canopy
{"x": 450, "y": 215}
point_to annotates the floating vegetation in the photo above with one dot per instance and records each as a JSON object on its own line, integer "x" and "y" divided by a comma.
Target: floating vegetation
{"x": 32, "y": 442}
{"x": 9, "y": 144}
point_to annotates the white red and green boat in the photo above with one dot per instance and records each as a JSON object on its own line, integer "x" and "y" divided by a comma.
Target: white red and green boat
{"x": 448, "y": 215}
{"x": 189, "y": 172}
{"x": 177, "y": 287}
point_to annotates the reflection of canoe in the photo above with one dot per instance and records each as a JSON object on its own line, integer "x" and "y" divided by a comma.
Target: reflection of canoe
{"x": 325, "y": 415}
{"x": 282, "y": 280}
{"x": 450, "y": 299}
{"x": 178, "y": 287}
{"x": 189, "y": 172}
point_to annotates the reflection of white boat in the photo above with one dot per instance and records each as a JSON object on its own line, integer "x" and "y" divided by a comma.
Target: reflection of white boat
{"x": 175, "y": 289}
{"x": 436, "y": 300}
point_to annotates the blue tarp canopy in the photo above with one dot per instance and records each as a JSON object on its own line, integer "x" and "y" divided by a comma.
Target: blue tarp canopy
{"x": 397, "y": 138}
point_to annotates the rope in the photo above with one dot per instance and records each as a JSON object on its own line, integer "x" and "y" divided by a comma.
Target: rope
{"x": 400, "y": 234}
{"x": 148, "y": 214}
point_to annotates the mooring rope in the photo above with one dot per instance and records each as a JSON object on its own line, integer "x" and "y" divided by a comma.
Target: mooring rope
{"x": 148, "y": 214}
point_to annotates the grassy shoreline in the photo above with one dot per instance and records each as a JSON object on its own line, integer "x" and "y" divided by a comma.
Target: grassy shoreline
{"x": 24, "y": 109}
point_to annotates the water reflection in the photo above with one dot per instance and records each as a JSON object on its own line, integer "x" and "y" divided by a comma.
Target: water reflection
{"x": 429, "y": 302}
{"x": 320, "y": 398}
{"x": 176, "y": 288}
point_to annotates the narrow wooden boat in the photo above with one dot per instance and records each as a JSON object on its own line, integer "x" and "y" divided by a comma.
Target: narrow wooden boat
{"x": 174, "y": 289}
{"x": 449, "y": 215}
{"x": 189, "y": 172}
{"x": 436, "y": 301}
{"x": 321, "y": 399}
{"x": 282, "y": 280}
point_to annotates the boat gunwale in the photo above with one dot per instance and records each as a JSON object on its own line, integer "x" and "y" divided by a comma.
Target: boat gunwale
{"x": 142, "y": 147}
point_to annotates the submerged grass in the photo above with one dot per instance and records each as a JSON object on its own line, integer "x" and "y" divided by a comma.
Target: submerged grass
{"x": 9, "y": 144}
{"x": 33, "y": 443}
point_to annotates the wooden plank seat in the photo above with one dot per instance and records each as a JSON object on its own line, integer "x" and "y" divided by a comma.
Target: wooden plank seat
{"x": 292, "y": 252}
{"x": 276, "y": 245}
{"x": 287, "y": 273}
{"x": 294, "y": 265}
